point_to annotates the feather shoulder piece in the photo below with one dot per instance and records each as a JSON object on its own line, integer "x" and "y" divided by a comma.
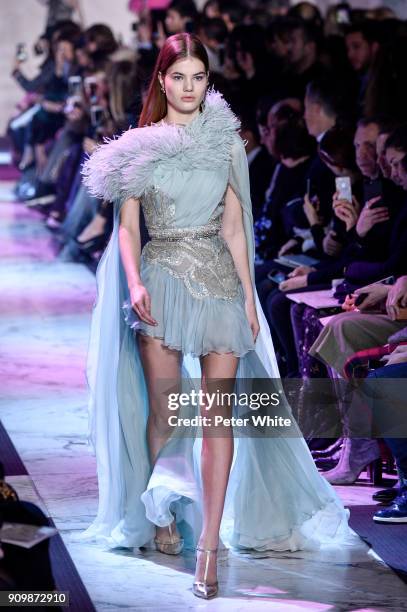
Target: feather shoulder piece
{"x": 122, "y": 167}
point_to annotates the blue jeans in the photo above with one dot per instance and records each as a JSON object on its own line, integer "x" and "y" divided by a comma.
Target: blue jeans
{"x": 398, "y": 446}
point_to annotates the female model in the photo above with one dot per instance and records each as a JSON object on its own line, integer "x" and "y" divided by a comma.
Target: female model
{"x": 186, "y": 309}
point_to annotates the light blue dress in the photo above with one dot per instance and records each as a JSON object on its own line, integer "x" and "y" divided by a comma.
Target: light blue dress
{"x": 276, "y": 499}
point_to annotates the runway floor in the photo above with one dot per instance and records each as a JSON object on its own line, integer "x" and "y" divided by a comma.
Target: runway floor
{"x": 45, "y": 311}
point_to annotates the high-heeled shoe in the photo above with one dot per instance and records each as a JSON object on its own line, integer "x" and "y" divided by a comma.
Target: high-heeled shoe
{"x": 173, "y": 546}
{"x": 201, "y": 588}
{"x": 356, "y": 455}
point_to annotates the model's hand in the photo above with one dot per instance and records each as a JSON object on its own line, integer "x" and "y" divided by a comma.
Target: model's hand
{"x": 251, "y": 314}
{"x": 297, "y": 282}
{"x": 141, "y": 303}
{"x": 374, "y": 294}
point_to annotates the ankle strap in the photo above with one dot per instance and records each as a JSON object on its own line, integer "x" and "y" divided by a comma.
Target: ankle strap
{"x": 207, "y": 549}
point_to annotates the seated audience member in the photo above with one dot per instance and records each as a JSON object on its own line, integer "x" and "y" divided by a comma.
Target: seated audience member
{"x": 362, "y": 43}
{"x": 383, "y": 225}
{"x": 100, "y": 45}
{"x": 21, "y": 568}
{"x": 386, "y": 127}
{"x": 385, "y": 394}
{"x": 213, "y": 33}
{"x": 248, "y": 52}
{"x": 50, "y": 118}
{"x": 361, "y": 262}
{"x": 346, "y": 334}
{"x": 337, "y": 152}
{"x": 260, "y": 164}
{"x": 180, "y": 13}
{"x": 46, "y": 44}
{"x": 294, "y": 147}
{"x": 302, "y": 62}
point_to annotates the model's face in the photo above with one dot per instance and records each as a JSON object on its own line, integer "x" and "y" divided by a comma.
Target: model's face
{"x": 185, "y": 84}
{"x": 365, "y": 148}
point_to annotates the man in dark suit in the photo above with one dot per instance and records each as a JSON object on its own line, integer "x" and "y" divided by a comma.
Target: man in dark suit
{"x": 261, "y": 164}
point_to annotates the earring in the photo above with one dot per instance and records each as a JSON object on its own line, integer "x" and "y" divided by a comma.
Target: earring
{"x": 161, "y": 85}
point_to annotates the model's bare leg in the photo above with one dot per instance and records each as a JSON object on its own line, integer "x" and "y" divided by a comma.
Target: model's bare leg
{"x": 159, "y": 364}
{"x": 217, "y": 455}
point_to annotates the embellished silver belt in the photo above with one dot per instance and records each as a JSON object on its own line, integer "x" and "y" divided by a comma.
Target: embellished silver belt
{"x": 179, "y": 233}
{"x": 205, "y": 265}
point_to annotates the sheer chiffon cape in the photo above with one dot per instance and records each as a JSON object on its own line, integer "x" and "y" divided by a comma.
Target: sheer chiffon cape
{"x": 276, "y": 499}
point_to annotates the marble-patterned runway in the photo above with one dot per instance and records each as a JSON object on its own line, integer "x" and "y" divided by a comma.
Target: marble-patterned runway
{"x": 45, "y": 311}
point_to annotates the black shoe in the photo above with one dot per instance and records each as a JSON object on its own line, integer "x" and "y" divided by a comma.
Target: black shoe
{"x": 328, "y": 452}
{"x": 386, "y": 496}
{"x": 318, "y": 444}
{"x": 326, "y": 463}
{"x": 38, "y": 191}
{"x": 97, "y": 243}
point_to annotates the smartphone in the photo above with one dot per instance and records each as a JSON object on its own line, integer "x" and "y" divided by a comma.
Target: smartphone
{"x": 360, "y": 298}
{"x": 21, "y": 52}
{"x": 342, "y": 16}
{"x": 344, "y": 188}
{"x": 389, "y": 280}
{"x": 74, "y": 86}
{"x": 96, "y": 115}
{"x": 91, "y": 88}
{"x": 277, "y": 276}
{"x": 373, "y": 189}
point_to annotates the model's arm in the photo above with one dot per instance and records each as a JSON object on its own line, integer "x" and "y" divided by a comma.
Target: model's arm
{"x": 130, "y": 250}
{"x": 235, "y": 237}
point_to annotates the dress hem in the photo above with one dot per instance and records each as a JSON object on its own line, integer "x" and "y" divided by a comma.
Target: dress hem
{"x": 193, "y": 354}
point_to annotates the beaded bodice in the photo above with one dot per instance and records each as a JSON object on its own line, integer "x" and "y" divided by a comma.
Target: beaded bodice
{"x": 196, "y": 254}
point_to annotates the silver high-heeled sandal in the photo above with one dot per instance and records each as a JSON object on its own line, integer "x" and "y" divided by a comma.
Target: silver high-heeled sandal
{"x": 201, "y": 588}
{"x": 173, "y": 546}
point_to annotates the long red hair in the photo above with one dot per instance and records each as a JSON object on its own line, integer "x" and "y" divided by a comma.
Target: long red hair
{"x": 176, "y": 47}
